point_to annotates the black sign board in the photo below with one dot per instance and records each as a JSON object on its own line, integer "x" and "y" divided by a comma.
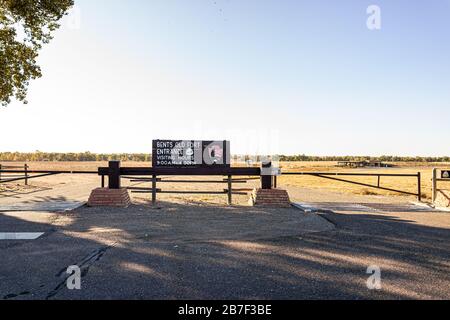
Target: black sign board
{"x": 445, "y": 174}
{"x": 190, "y": 153}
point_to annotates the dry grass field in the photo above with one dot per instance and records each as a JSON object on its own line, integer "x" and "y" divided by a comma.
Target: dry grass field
{"x": 403, "y": 183}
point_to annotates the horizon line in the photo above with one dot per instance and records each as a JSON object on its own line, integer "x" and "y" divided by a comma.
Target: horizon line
{"x": 234, "y": 155}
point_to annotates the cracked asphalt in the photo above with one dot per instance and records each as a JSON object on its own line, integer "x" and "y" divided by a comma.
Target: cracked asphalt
{"x": 187, "y": 251}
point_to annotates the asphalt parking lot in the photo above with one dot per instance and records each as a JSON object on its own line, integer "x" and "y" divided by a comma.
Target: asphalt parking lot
{"x": 192, "y": 250}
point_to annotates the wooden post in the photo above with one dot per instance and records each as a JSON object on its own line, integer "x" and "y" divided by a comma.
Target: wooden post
{"x": 103, "y": 181}
{"x": 0, "y": 172}
{"x": 266, "y": 179}
{"x": 26, "y": 174}
{"x": 275, "y": 182}
{"x": 114, "y": 175}
{"x": 154, "y": 189}
{"x": 434, "y": 185}
{"x": 379, "y": 182}
{"x": 230, "y": 190}
{"x": 419, "y": 186}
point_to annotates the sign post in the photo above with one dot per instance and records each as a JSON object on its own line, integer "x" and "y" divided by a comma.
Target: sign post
{"x": 189, "y": 158}
{"x": 114, "y": 195}
{"x": 266, "y": 175}
{"x": 114, "y": 175}
{"x": 439, "y": 175}
{"x": 434, "y": 186}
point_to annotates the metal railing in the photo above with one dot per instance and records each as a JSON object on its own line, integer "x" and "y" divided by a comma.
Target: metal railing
{"x": 18, "y": 175}
{"x": 334, "y": 175}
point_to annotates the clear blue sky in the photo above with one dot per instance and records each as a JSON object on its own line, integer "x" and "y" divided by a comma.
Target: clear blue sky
{"x": 283, "y": 76}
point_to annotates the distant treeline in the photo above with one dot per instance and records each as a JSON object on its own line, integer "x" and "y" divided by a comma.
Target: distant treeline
{"x": 88, "y": 156}
{"x": 362, "y": 158}
{"x": 84, "y": 156}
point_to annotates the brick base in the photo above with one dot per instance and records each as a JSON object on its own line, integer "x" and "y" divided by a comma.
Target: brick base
{"x": 104, "y": 197}
{"x": 443, "y": 199}
{"x": 276, "y": 198}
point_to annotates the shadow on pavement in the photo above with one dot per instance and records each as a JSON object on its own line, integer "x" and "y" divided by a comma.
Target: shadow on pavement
{"x": 192, "y": 252}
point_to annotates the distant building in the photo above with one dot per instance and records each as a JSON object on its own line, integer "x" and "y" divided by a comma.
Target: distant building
{"x": 364, "y": 164}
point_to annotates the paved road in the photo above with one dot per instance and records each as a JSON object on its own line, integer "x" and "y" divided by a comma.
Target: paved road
{"x": 192, "y": 252}
{"x": 54, "y": 193}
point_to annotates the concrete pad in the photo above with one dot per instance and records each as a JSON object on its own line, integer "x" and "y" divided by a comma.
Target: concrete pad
{"x": 20, "y": 235}
{"x": 208, "y": 223}
{"x": 42, "y": 206}
{"x": 366, "y": 207}
{"x": 60, "y": 188}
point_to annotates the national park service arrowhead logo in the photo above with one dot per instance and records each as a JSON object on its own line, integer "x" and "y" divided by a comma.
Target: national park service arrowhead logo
{"x": 445, "y": 174}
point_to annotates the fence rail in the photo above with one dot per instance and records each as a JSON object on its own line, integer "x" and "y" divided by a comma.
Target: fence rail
{"x": 10, "y": 173}
{"x": 333, "y": 175}
{"x": 230, "y": 176}
{"x": 156, "y": 176}
{"x": 13, "y": 175}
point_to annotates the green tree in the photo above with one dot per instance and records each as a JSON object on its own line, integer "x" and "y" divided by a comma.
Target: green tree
{"x": 36, "y": 20}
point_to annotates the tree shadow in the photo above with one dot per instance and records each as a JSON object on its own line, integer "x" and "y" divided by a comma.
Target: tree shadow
{"x": 176, "y": 251}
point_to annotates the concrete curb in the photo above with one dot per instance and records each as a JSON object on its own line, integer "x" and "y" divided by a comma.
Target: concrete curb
{"x": 421, "y": 204}
{"x": 443, "y": 209}
{"x": 310, "y": 209}
{"x": 321, "y": 213}
{"x": 78, "y": 206}
{"x": 430, "y": 206}
{"x": 67, "y": 207}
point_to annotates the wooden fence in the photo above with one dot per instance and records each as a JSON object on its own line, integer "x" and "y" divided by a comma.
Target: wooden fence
{"x": 7, "y": 176}
{"x": 148, "y": 174}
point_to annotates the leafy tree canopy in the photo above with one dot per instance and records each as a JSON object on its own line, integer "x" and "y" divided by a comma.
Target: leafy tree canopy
{"x": 34, "y": 21}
